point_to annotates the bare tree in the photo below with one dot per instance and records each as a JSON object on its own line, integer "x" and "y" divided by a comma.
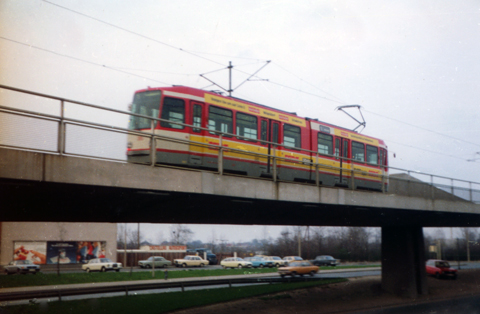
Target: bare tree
{"x": 180, "y": 234}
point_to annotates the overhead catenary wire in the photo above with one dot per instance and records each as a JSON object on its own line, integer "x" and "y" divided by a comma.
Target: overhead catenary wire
{"x": 80, "y": 60}
{"x": 128, "y": 73}
{"x": 197, "y": 54}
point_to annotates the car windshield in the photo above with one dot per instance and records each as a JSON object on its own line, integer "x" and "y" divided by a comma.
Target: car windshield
{"x": 146, "y": 104}
{"x": 442, "y": 264}
{"x": 105, "y": 260}
{"x": 150, "y": 258}
{"x": 295, "y": 264}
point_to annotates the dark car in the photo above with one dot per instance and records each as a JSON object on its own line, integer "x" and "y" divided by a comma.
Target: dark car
{"x": 211, "y": 258}
{"x": 325, "y": 260}
{"x": 21, "y": 267}
{"x": 439, "y": 268}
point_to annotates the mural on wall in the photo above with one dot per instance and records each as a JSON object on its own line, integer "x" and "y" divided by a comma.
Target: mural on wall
{"x": 61, "y": 252}
{"x": 33, "y": 251}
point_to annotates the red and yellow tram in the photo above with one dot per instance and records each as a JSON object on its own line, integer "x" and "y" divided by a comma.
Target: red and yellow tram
{"x": 305, "y": 149}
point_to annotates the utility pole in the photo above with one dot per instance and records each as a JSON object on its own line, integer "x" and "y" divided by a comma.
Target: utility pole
{"x": 299, "y": 243}
{"x": 125, "y": 246}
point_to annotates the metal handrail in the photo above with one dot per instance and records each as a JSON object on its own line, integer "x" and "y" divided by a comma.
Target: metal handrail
{"x": 315, "y": 155}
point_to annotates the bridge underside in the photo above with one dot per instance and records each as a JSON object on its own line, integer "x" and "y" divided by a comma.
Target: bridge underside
{"x": 42, "y": 187}
{"x": 25, "y": 200}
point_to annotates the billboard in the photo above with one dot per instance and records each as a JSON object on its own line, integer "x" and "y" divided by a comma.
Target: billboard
{"x": 87, "y": 250}
{"x": 61, "y": 252}
{"x": 33, "y": 251}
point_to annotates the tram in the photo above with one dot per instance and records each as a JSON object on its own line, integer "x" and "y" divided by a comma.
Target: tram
{"x": 254, "y": 138}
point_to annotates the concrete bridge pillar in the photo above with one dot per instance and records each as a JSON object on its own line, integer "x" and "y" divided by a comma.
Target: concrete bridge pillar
{"x": 403, "y": 261}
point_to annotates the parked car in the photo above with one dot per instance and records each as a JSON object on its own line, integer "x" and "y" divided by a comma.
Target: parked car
{"x": 21, "y": 267}
{"x": 289, "y": 259}
{"x": 190, "y": 260}
{"x": 234, "y": 262}
{"x": 160, "y": 261}
{"x": 278, "y": 262}
{"x": 101, "y": 264}
{"x": 298, "y": 268}
{"x": 325, "y": 260}
{"x": 258, "y": 261}
{"x": 439, "y": 268}
{"x": 212, "y": 258}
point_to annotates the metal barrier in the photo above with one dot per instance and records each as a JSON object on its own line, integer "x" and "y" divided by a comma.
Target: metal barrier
{"x": 61, "y": 148}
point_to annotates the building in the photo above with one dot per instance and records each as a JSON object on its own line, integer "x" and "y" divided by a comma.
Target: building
{"x": 57, "y": 242}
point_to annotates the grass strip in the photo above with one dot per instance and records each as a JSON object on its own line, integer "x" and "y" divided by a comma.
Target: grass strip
{"x": 163, "y": 302}
{"x": 42, "y": 279}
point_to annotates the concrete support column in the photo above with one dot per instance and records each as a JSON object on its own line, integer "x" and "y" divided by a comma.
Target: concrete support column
{"x": 403, "y": 261}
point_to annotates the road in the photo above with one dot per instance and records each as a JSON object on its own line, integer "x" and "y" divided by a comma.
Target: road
{"x": 334, "y": 273}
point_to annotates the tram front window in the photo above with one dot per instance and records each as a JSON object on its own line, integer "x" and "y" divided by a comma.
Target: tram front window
{"x": 147, "y": 104}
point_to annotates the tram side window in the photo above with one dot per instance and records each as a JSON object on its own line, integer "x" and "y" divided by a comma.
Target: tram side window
{"x": 173, "y": 110}
{"x": 220, "y": 120}
{"x": 291, "y": 136}
{"x": 358, "y": 151}
{"x": 337, "y": 147}
{"x": 325, "y": 144}
{"x": 372, "y": 155}
{"x": 247, "y": 126}
{"x": 197, "y": 118}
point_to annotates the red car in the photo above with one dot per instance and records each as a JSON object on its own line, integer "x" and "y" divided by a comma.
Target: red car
{"x": 439, "y": 268}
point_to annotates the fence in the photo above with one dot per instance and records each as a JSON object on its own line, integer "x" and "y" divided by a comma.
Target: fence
{"x": 100, "y": 134}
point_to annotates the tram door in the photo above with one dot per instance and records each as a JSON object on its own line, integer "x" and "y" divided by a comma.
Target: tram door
{"x": 342, "y": 150}
{"x": 269, "y": 131}
{"x": 196, "y": 151}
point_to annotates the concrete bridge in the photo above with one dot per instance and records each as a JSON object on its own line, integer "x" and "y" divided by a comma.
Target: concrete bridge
{"x": 46, "y": 187}
{"x": 53, "y": 183}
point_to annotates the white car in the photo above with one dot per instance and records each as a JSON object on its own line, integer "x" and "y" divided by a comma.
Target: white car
{"x": 235, "y": 262}
{"x": 21, "y": 267}
{"x": 190, "y": 260}
{"x": 101, "y": 264}
{"x": 278, "y": 262}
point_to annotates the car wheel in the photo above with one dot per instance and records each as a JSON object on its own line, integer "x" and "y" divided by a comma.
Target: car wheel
{"x": 277, "y": 265}
{"x": 437, "y": 275}
{"x": 312, "y": 273}
{"x": 261, "y": 266}
{"x": 294, "y": 273}
{"x": 18, "y": 271}
{"x": 87, "y": 270}
{"x": 240, "y": 266}
{"x": 148, "y": 266}
{"x": 224, "y": 267}
{"x": 184, "y": 265}
{"x": 282, "y": 275}
{"x": 202, "y": 264}
{"x": 117, "y": 270}
{"x": 164, "y": 266}
{"x": 103, "y": 270}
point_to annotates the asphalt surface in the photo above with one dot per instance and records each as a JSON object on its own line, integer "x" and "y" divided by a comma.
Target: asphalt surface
{"x": 334, "y": 273}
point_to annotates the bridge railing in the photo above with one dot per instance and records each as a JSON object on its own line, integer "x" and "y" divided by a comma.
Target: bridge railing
{"x": 80, "y": 129}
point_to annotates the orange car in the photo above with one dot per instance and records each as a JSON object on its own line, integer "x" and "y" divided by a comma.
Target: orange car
{"x": 298, "y": 268}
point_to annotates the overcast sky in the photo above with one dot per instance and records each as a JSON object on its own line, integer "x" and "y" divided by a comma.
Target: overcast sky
{"x": 412, "y": 65}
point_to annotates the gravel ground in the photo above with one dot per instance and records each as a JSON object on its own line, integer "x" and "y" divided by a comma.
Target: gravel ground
{"x": 357, "y": 294}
